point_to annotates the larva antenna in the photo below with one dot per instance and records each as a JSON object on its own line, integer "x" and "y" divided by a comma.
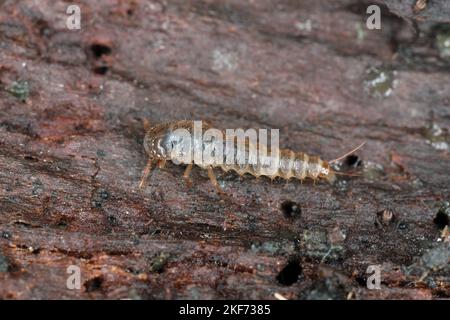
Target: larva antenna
{"x": 348, "y": 153}
{"x": 145, "y": 174}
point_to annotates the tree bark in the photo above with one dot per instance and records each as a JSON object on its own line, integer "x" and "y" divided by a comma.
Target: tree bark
{"x": 72, "y": 106}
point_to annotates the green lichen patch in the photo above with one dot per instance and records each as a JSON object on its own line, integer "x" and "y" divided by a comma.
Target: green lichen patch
{"x": 379, "y": 82}
{"x": 443, "y": 44}
{"x": 158, "y": 262}
{"x": 19, "y": 89}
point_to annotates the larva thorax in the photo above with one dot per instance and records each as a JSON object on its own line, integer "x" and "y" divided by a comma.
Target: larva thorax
{"x": 160, "y": 140}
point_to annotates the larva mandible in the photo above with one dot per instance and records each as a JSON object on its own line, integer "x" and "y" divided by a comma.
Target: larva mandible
{"x": 299, "y": 165}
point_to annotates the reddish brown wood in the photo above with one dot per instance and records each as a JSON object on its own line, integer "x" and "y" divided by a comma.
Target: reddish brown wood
{"x": 72, "y": 105}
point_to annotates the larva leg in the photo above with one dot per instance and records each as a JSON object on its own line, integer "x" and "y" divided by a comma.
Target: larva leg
{"x": 287, "y": 182}
{"x": 146, "y": 124}
{"x": 213, "y": 179}
{"x": 147, "y": 170}
{"x": 161, "y": 164}
{"x": 187, "y": 173}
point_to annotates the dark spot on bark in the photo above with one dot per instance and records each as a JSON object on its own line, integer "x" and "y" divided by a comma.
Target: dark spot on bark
{"x": 402, "y": 226}
{"x": 291, "y": 209}
{"x": 62, "y": 223}
{"x": 101, "y": 70}
{"x": 159, "y": 262}
{"x": 154, "y": 232}
{"x": 7, "y": 265}
{"x": 23, "y": 223}
{"x": 104, "y": 194}
{"x": 100, "y": 153}
{"x": 23, "y": 127}
{"x": 442, "y": 216}
{"x": 43, "y": 27}
{"x": 112, "y": 220}
{"x": 93, "y": 284}
{"x": 290, "y": 273}
{"x": 31, "y": 158}
{"x": 80, "y": 127}
{"x": 4, "y": 264}
{"x": 6, "y": 235}
{"x": 352, "y": 161}
{"x": 37, "y": 187}
{"x": 99, "y": 198}
{"x": 361, "y": 280}
{"x": 100, "y": 49}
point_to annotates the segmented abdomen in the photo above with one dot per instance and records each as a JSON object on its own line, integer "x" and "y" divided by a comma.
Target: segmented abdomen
{"x": 290, "y": 164}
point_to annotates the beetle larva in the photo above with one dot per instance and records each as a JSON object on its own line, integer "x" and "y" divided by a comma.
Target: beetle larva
{"x": 159, "y": 141}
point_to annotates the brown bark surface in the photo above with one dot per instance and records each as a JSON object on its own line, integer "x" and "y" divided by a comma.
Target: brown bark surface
{"x": 72, "y": 105}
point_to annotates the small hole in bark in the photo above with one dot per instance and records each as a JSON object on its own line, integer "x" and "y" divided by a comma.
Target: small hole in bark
{"x": 130, "y": 12}
{"x": 353, "y": 161}
{"x": 402, "y": 226}
{"x": 93, "y": 284}
{"x": 100, "y": 196}
{"x": 112, "y": 220}
{"x": 43, "y": 28}
{"x": 155, "y": 232}
{"x": 442, "y": 216}
{"x": 291, "y": 209}
{"x": 6, "y": 235}
{"x": 62, "y": 223}
{"x": 361, "y": 280}
{"x": 31, "y": 158}
{"x": 441, "y": 220}
{"x": 102, "y": 70}
{"x": 100, "y": 49}
{"x": 290, "y": 273}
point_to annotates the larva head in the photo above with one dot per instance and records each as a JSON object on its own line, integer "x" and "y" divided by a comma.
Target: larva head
{"x": 326, "y": 172}
{"x": 166, "y": 141}
{"x": 154, "y": 142}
